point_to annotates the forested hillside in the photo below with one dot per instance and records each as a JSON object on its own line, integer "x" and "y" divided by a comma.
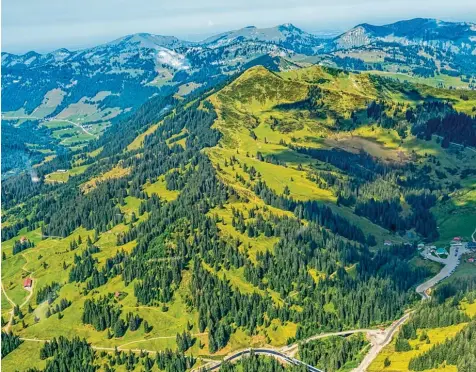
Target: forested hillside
{"x": 269, "y": 209}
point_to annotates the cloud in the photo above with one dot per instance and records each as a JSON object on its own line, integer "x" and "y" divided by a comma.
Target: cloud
{"x": 210, "y": 23}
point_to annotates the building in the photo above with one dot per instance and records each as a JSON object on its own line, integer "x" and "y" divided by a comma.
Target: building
{"x": 441, "y": 251}
{"x": 471, "y": 245}
{"x": 23, "y": 239}
{"x": 387, "y": 242}
{"x": 471, "y": 259}
{"x": 421, "y": 246}
{"x": 27, "y": 283}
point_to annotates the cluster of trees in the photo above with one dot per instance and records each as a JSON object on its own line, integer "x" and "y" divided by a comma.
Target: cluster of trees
{"x": 258, "y": 363}
{"x": 60, "y": 306}
{"x": 84, "y": 265}
{"x": 47, "y": 293}
{"x": 64, "y": 355}
{"x": 20, "y": 246}
{"x": 9, "y": 343}
{"x": 454, "y": 127}
{"x": 333, "y": 353}
{"x": 101, "y": 314}
{"x": 184, "y": 341}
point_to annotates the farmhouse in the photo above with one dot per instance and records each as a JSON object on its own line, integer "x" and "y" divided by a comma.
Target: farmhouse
{"x": 27, "y": 283}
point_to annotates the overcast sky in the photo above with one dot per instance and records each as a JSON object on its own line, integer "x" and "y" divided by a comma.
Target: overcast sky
{"x": 44, "y": 25}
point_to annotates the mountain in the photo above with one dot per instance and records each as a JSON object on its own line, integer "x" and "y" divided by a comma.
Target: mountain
{"x": 71, "y": 97}
{"x": 418, "y": 31}
{"x": 421, "y": 47}
{"x": 269, "y": 209}
{"x": 286, "y": 36}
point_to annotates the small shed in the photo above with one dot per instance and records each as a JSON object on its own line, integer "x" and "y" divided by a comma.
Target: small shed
{"x": 27, "y": 283}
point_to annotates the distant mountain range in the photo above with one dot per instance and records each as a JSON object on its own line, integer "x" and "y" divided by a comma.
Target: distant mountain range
{"x": 100, "y": 85}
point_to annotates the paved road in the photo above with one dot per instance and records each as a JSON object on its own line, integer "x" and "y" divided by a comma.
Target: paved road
{"x": 379, "y": 344}
{"x": 292, "y": 349}
{"x": 450, "y": 263}
{"x": 267, "y": 352}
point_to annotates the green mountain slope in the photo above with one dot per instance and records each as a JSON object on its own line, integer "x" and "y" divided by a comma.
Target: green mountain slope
{"x": 252, "y": 215}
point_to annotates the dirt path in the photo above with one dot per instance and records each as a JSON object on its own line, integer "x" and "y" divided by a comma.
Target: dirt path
{"x": 157, "y": 338}
{"x": 9, "y": 324}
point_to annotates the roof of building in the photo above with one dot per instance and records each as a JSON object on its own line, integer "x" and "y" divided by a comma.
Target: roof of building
{"x": 27, "y": 282}
{"x": 441, "y": 251}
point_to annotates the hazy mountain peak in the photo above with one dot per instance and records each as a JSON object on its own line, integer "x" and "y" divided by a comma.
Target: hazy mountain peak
{"x": 151, "y": 41}
{"x": 409, "y": 32}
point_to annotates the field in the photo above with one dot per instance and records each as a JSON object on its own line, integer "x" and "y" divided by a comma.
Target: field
{"x": 159, "y": 188}
{"x": 63, "y": 176}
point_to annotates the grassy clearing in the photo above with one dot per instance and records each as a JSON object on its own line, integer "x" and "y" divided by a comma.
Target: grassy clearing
{"x": 139, "y": 140}
{"x": 116, "y": 172}
{"x": 132, "y": 205}
{"x": 60, "y": 176}
{"x": 399, "y": 360}
{"x": 159, "y": 187}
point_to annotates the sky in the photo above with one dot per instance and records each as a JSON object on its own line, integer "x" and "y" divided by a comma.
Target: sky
{"x": 45, "y": 25}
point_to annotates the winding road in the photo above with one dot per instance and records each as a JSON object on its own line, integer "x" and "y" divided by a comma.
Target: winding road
{"x": 41, "y": 120}
{"x": 451, "y": 262}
